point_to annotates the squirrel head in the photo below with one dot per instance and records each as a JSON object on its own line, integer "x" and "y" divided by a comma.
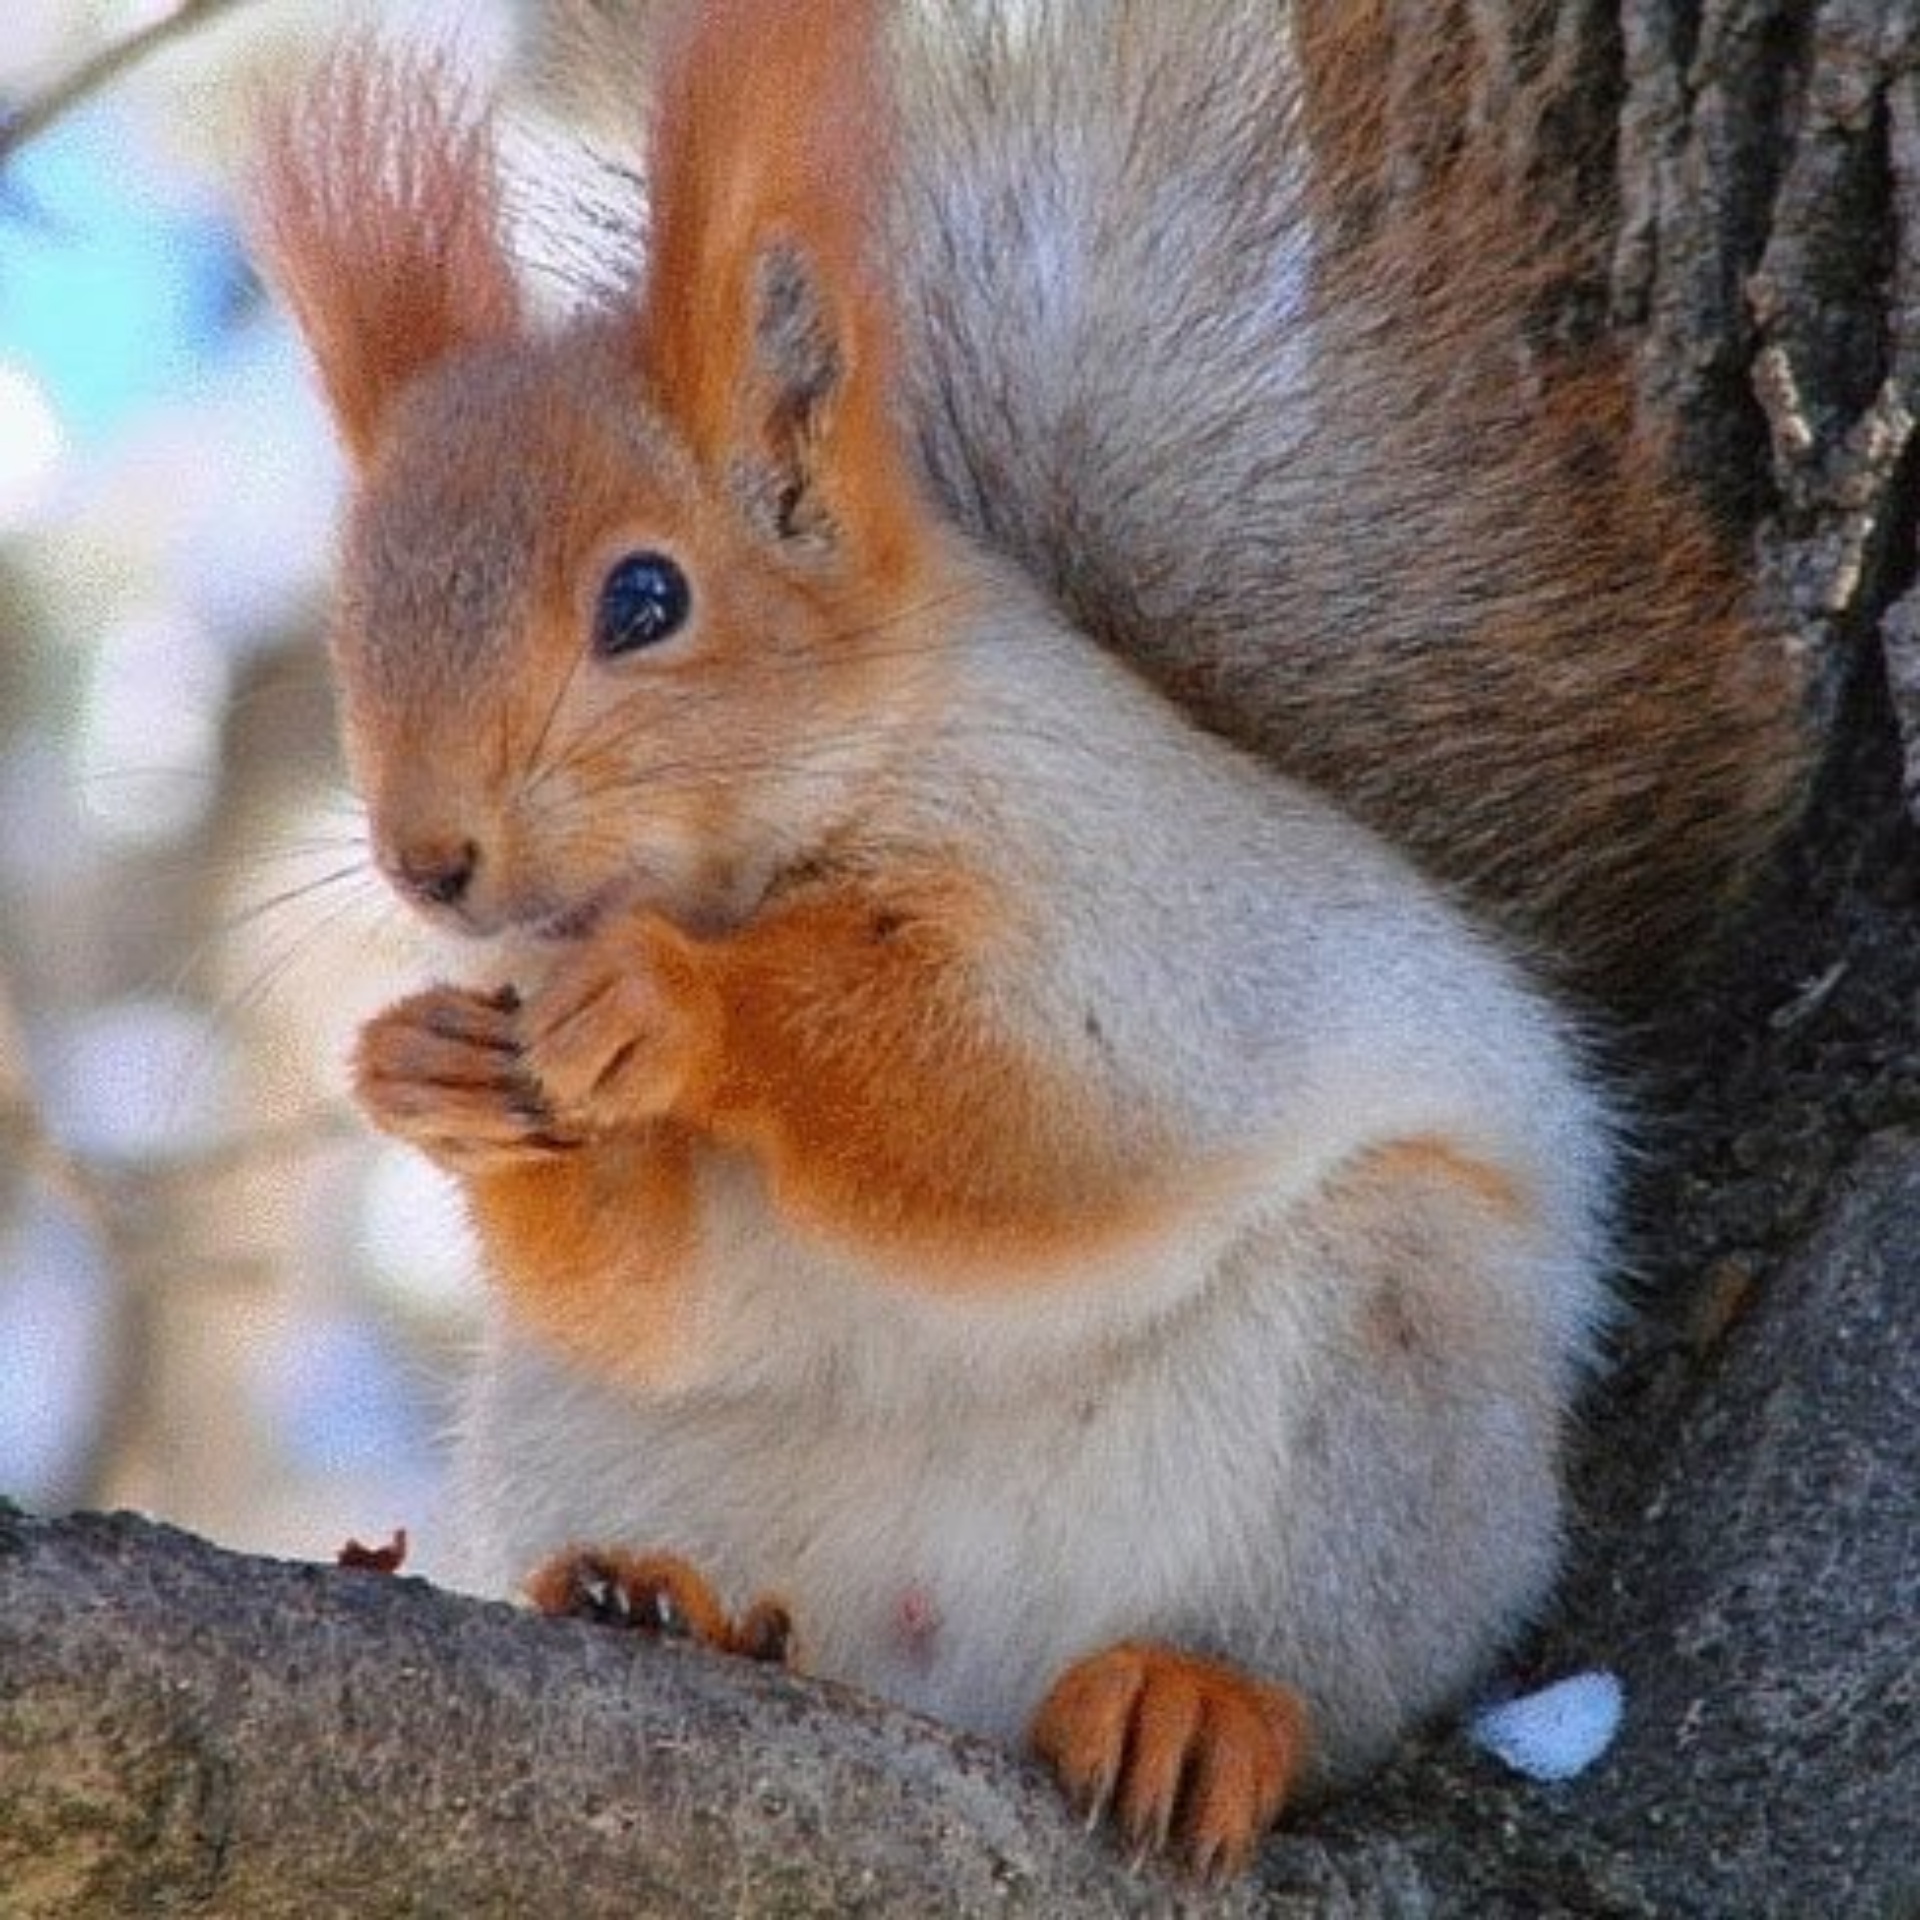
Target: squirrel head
{"x": 629, "y": 608}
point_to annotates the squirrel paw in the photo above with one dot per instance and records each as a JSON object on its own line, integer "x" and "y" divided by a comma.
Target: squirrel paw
{"x": 444, "y": 1071}
{"x": 659, "y": 1594}
{"x": 606, "y": 1041}
{"x": 1188, "y": 1758}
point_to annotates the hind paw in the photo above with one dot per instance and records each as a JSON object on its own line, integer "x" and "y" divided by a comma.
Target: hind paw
{"x": 1188, "y": 1759}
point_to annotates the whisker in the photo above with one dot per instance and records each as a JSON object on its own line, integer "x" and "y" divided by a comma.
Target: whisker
{"x": 251, "y": 915}
{"x": 257, "y": 910}
{"x": 304, "y": 686}
{"x": 127, "y": 773}
{"x": 276, "y": 968}
{"x": 281, "y": 853}
{"x": 532, "y": 773}
{"x": 224, "y": 1014}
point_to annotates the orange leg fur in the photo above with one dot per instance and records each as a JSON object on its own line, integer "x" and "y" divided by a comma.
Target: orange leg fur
{"x": 598, "y": 1250}
{"x": 1187, "y": 1757}
{"x": 843, "y": 1041}
{"x": 656, "y": 1593}
{"x": 591, "y": 1236}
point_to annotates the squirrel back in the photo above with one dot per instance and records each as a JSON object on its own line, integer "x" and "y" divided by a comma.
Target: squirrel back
{"x": 1277, "y": 438}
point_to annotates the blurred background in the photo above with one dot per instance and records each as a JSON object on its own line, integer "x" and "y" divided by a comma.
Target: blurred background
{"x": 221, "y": 1300}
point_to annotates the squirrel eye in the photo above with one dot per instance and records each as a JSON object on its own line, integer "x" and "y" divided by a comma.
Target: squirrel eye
{"x": 646, "y": 599}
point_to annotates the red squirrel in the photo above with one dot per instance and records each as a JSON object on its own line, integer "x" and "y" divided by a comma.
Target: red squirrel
{"x": 1073, "y": 1209}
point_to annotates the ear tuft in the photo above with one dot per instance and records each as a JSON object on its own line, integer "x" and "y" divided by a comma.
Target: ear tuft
{"x": 799, "y": 366}
{"x": 765, "y": 332}
{"x": 796, "y": 347}
{"x": 376, "y": 216}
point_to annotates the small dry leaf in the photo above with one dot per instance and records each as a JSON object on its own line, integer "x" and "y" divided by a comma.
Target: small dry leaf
{"x": 388, "y": 1559}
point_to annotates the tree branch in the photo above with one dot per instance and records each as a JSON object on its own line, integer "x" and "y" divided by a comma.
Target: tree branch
{"x": 262, "y": 1739}
{"x": 100, "y": 70}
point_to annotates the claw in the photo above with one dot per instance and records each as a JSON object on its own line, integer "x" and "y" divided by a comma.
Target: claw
{"x": 653, "y": 1594}
{"x": 667, "y": 1617}
{"x": 595, "y": 1592}
{"x": 1190, "y": 1759}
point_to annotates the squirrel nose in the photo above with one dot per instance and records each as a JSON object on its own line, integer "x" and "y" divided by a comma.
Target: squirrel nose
{"x": 438, "y": 875}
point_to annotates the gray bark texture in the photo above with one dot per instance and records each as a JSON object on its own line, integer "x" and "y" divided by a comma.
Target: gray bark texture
{"x": 185, "y": 1731}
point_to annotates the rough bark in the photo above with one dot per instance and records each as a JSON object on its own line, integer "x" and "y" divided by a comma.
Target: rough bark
{"x": 183, "y": 1731}
{"x": 1769, "y": 243}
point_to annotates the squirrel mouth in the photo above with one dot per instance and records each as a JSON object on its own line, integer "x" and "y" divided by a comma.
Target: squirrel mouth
{"x": 575, "y": 923}
{"x": 584, "y": 917}
{"x": 638, "y": 892}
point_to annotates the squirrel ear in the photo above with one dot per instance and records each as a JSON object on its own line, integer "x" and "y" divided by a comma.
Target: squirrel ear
{"x": 784, "y": 440}
{"x": 764, "y": 332}
{"x": 376, "y": 216}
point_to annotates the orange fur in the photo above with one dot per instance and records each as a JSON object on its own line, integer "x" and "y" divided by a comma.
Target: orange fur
{"x": 590, "y": 1241}
{"x": 884, "y": 1108}
{"x": 596, "y": 1248}
{"x": 1439, "y": 1162}
{"x": 1186, "y": 1754}
{"x": 376, "y": 213}
{"x": 837, "y": 1039}
{"x": 656, "y": 1593}
{"x": 784, "y": 149}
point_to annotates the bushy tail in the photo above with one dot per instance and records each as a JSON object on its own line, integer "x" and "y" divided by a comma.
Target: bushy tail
{"x": 1262, "y": 418}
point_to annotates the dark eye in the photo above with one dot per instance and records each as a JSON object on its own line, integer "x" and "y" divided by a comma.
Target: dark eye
{"x": 646, "y": 599}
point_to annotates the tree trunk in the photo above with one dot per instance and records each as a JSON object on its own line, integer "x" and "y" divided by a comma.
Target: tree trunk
{"x": 181, "y": 1729}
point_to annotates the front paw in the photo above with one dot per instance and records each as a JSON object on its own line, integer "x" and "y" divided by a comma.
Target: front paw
{"x": 612, "y": 1035}
{"x": 1188, "y": 1758}
{"x": 444, "y": 1070}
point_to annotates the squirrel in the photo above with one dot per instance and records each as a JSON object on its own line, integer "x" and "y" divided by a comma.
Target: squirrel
{"x": 1019, "y": 722}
